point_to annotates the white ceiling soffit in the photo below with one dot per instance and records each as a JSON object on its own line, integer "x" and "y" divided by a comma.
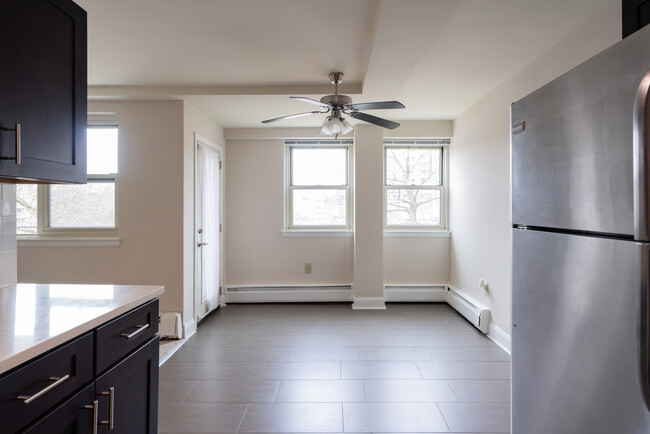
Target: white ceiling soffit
{"x": 239, "y": 60}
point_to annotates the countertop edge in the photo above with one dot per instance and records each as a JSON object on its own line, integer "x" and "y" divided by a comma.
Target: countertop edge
{"x": 53, "y": 342}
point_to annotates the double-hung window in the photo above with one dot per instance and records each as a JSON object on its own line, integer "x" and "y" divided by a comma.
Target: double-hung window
{"x": 415, "y": 187}
{"x": 317, "y": 184}
{"x": 76, "y": 209}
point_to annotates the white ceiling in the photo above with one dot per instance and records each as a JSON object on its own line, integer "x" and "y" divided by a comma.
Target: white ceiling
{"x": 239, "y": 60}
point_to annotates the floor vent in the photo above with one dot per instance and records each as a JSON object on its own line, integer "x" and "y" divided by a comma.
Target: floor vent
{"x": 472, "y": 311}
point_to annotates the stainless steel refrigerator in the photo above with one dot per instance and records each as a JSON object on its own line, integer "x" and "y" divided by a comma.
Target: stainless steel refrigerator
{"x": 581, "y": 248}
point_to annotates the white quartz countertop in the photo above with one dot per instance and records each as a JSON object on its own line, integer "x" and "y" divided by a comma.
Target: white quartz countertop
{"x": 35, "y": 318}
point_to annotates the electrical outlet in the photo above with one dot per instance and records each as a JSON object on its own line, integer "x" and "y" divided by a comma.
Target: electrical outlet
{"x": 307, "y": 267}
{"x": 484, "y": 287}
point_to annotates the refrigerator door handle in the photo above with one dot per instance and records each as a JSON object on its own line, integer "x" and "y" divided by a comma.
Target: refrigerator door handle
{"x": 641, "y": 155}
{"x": 643, "y": 320}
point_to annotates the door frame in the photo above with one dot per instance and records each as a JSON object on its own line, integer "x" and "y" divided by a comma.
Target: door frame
{"x": 202, "y": 141}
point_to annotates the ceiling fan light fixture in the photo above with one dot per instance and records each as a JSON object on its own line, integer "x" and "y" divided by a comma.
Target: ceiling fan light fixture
{"x": 335, "y": 125}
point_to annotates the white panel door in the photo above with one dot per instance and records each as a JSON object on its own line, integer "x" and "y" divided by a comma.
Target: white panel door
{"x": 208, "y": 223}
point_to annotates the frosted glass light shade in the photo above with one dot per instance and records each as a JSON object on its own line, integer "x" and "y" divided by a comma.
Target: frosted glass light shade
{"x": 335, "y": 125}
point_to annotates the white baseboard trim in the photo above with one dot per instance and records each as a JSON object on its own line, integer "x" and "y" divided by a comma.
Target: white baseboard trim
{"x": 500, "y": 337}
{"x": 369, "y": 303}
{"x": 289, "y": 294}
{"x": 189, "y": 328}
{"x": 415, "y": 293}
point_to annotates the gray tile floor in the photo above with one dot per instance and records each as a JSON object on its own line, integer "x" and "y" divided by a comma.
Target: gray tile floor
{"x": 328, "y": 368}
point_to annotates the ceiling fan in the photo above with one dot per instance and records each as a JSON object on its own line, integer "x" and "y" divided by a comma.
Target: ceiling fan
{"x": 335, "y": 123}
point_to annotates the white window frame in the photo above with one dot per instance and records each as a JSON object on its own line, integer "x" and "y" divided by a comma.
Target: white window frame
{"x": 443, "y": 145}
{"x": 289, "y": 188}
{"x": 43, "y": 230}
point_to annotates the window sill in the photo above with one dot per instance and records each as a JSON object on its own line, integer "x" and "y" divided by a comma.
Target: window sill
{"x": 33, "y": 241}
{"x": 405, "y": 233}
{"x": 317, "y": 233}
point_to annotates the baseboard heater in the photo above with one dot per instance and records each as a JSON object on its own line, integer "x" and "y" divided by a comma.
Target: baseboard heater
{"x": 478, "y": 315}
{"x": 289, "y": 294}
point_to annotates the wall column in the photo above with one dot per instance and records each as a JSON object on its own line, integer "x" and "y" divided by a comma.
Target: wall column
{"x": 368, "y": 286}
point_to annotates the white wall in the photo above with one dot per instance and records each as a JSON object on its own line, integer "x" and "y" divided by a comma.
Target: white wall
{"x": 150, "y": 210}
{"x": 194, "y": 122}
{"x": 480, "y": 168}
{"x": 256, "y": 252}
{"x": 416, "y": 261}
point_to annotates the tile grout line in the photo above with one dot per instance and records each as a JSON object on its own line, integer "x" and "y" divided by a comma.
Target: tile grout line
{"x": 242, "y": 418}
{"x": 443, "y": 416}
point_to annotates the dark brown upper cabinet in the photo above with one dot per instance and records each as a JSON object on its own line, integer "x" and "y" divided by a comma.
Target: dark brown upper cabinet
{"x": 43, "y": 91}
{"x": 636, "y": 14}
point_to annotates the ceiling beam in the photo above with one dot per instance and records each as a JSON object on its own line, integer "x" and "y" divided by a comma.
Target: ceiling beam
{"x": 403, "y": 31}
{"x": 172, "y": 91}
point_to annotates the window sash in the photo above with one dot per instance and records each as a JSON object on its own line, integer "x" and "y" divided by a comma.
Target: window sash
{"x": 290, "y": 145}
{"x": 426, "y": 144}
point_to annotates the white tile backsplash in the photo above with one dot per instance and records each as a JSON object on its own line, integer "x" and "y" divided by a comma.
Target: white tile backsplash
{"x": 8, "y": 252}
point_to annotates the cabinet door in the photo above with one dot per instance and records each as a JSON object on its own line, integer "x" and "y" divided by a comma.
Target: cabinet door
{"x": 49, "y": 37}
{"x": 636, "y": 14}
{"x": 74, "y": 416}
{"x": 134, "y": 384}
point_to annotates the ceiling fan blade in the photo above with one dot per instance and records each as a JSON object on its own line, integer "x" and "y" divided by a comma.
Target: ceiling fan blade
{"x": 311, "y": 101}
{"x": 281, "y": 118}
{"x": 375, "y": 120}
{"x": 377, "y": 105}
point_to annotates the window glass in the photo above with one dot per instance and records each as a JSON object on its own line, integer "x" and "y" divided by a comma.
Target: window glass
{"x": 319, "y": 207}
{"x": 26, "y": 209}
{"x": 102, "y": 150}
{"x": 318, "y": 166}
{"x": 413, "y": 207}
{"x": 90, "y": 205}
{"x": 413, "y": 166}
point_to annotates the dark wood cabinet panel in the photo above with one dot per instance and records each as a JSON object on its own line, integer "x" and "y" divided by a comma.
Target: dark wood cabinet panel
{"x": 119, "y": 337}
{"x": 54, "y": 392}
{"x": 134, "y": 384}
{"x": 33, "y": 389}
{"x": 636, "y": 14}
{"x": 44, "y": 89}
{"x": 74, "y": 416}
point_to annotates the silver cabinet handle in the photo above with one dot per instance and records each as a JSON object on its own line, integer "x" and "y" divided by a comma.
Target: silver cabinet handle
{"x": 95, "y": 409}
{"x": 142, "y": 327}
{"x": 17, "y": 158}
{"x": 57, "y": 382}
{"x": 111, "y": 408}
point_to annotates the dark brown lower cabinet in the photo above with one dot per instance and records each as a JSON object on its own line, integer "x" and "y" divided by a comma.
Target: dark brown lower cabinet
{"x": 59, "y": 391}
{"x": 128, "y": 393}
{"x": 74, "y": 416}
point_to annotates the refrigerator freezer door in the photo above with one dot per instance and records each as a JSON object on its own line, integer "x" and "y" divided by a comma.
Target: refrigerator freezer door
{"x": 572, "y": 144}
{"x": 574, "y": 335}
